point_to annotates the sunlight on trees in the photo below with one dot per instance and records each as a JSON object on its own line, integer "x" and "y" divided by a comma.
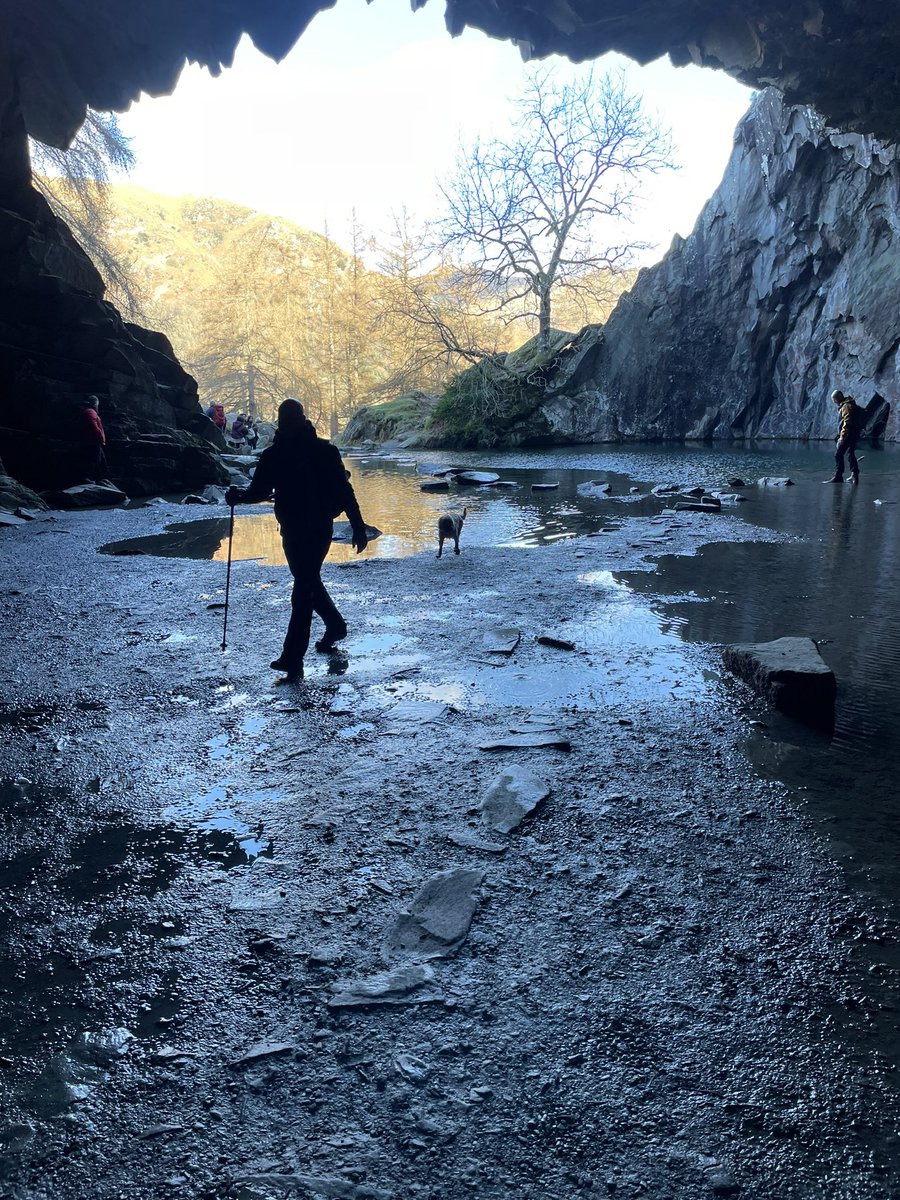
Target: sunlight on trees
{"x": 259, "y": 309}
{"x": 75, "y": 183}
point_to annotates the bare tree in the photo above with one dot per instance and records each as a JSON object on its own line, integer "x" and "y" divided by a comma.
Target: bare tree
{"x": 547, "y": 208}
{"x": 75, "y": 183}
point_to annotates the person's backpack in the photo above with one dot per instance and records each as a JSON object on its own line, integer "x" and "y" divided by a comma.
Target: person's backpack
{"x": 335, "y": 482}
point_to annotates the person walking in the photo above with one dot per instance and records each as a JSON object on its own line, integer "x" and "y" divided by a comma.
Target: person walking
{"x": 92, "y": 441}
{"x": 311, "y": 487}
{"x": 853, "y": 419}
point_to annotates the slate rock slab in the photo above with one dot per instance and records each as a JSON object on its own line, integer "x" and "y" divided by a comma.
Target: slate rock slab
{"x": 264, "y": 1050}
{"x": 438, "y": 918}
{"x": 789, "y": 674}
{"x": 501, "y": 641}
{"x": 403, "y": 985}
{"x": 544, "y": 487}
{"x": 539, "y": 740}
{"x": 704, "y": 506}
{"x": 476, "y": 477}
{"x": 595, "y": 487}
{"x": 412, "y": 713}
{"x": 511, "y": 797}
{"x": 435, "y": 485}
{"x": 774, "y": 481}
{"x": 343, "y": 532}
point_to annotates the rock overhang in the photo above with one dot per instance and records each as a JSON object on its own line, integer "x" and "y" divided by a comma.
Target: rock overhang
{"x": 838, "y": 55}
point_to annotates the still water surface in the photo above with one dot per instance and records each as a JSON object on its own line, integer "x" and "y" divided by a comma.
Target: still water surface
{"x": 836, "y": 580}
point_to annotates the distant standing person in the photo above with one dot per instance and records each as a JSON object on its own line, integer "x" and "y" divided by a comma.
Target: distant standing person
{"x": 853, "y": 418}
{"x": 92, "y": 439}
{"x": 311, "y": 488}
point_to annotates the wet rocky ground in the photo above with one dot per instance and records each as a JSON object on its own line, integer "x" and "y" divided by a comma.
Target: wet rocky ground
{"x": 266, "y": 941}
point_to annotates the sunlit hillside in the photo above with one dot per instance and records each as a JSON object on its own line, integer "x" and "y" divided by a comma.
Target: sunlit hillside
{"x": 259, "y": 308}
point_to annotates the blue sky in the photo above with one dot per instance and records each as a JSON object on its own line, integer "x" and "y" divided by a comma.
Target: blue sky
{"x": 370, "y": 107}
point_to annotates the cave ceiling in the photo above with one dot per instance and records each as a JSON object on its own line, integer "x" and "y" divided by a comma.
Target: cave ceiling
{"x": 841, "y": 56}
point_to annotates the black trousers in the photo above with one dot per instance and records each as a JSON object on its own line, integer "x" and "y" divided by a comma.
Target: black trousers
{"x": 846, "y": 446}
{"x": 93, "y": 463}
{"x": 305, "y": 548}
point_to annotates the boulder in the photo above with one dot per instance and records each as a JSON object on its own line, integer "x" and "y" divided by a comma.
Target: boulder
{"x": 61, "y": 341}
{"x": 87, "y": 495}
{"x": 772, "y": 481}
{"x": 789, "y": 674}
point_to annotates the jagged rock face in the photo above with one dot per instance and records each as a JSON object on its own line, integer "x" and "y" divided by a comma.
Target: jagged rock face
{"x": 786, "y": 289}
{"x": 836, "y": 54}
{"x": 60, "y": 341}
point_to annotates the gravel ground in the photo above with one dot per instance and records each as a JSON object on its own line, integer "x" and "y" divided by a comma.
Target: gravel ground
{"x": 223, "y": 974}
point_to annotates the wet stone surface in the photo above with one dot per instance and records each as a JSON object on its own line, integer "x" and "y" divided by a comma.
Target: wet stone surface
{"x": 259, "y": 940}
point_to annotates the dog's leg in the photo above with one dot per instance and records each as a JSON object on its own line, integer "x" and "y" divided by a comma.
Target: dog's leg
{"x": 456, "y": 542}
{"x": 440, "y": 545}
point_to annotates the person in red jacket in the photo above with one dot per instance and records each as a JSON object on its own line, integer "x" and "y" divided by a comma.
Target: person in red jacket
{"x": 92, "y": 438}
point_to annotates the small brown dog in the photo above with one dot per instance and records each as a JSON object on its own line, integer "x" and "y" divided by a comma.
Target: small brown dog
{"x": 450, "y": 526}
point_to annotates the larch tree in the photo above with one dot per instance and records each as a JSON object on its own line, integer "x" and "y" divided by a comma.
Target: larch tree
{"x": 549, "y": 206}
{"x": 75, "y": 183}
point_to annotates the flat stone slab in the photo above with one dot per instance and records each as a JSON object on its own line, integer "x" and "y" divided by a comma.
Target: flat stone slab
{"x": 595, "y": 487}
{"x": 774, "y": 481}
{"x": 539, "y": 740}
{"x": 8, "y": 519}
{"x": 402, "y": 985}
{"x": 435, "y": 485}
{"x": 438, "y": 918}
{"x": 703, "y": 506}
{"x": 544, "y": 487}
{"x": 263, "y": 1050}
{"x": 470, "y": 841}
{"x": 477, "y": 477}
{"x": 410, "y": 713}
{"x": 501, "y": 641}
{"x": 344, "y": 533}
{"x": 789, "y": 674}
{"x": 515, "y": 793}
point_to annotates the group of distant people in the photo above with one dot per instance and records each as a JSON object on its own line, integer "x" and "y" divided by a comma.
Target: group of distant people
{"x": 242, "y": 427}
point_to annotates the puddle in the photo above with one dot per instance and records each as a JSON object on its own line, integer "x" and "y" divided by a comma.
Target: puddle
{"x": 224, "y": 837}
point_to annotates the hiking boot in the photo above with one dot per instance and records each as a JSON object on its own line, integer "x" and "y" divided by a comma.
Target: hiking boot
{"x": 330, "y": 638}
{"x": 834, "y": 479}
{"x": 279, "y": 664}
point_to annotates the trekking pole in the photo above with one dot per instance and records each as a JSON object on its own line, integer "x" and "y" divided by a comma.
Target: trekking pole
{"x": 228, "y": 573}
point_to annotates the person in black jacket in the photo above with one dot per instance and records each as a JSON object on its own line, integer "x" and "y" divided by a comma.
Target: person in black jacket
{"x": 311, "y": 487}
